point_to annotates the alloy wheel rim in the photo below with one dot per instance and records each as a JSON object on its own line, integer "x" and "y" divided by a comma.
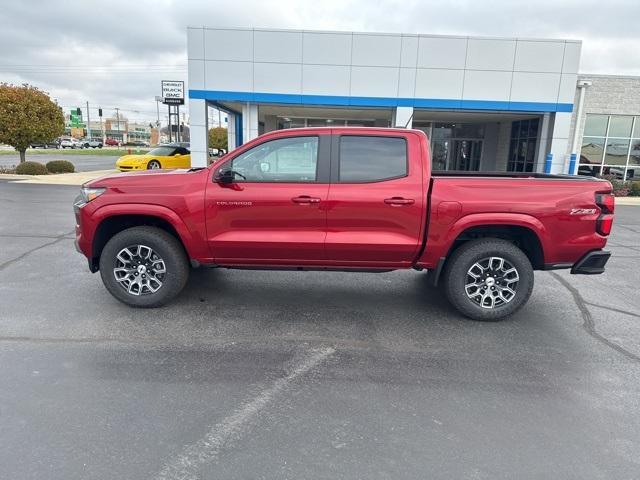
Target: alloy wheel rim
{"x": 154, "y": 165}
{"x": 139, "y": 270}
{"x": 491, "y": 282}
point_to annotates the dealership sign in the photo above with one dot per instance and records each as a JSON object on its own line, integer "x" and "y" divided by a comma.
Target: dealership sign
{"x": 172, "y": 92}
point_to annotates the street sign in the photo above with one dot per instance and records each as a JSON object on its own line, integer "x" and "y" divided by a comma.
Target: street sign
{"x": 172, "y": 92}
{"x": 75, "y": 118}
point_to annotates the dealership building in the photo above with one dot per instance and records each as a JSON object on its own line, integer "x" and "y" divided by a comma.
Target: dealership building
{"x": 486, "y": 104}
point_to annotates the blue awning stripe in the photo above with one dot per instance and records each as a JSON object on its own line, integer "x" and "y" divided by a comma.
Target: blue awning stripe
{"x": 346, "y": 101}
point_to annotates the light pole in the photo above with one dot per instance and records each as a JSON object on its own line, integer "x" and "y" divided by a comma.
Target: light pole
{"x": 582, "y": 86}
{"x": 158, "y": 100}
{"x": 88, "y": 122}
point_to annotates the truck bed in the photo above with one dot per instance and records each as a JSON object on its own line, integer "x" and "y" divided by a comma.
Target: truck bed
{"x": 549, "y": 176}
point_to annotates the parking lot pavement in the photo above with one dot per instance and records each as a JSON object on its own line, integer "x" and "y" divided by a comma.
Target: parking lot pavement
{"x": 83, "y": 163}
{"x": 308, "y": 375}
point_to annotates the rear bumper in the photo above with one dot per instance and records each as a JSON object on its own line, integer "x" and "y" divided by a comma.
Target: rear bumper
{"x": 592, "y": 263}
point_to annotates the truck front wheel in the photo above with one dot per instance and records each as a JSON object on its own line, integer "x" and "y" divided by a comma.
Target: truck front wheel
{"x": 488, "y": 279}
{"x": 144, "y": 266}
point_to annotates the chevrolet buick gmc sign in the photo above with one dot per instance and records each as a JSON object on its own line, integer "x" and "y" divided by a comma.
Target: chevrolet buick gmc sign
{"x": 172, "y": 92}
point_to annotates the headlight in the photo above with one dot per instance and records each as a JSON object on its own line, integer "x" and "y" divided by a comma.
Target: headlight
{"x": 88, "y": 194}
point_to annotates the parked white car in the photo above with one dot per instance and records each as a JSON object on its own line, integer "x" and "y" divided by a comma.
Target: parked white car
{"x": 70, "y": 143}
{"x": 91, "y": 143}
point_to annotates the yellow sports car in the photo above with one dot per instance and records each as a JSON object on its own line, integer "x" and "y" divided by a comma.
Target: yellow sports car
{"x": 160, "y": 157}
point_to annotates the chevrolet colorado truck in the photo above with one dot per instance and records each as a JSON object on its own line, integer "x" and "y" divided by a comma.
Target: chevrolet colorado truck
{"x": 347, "y": 199}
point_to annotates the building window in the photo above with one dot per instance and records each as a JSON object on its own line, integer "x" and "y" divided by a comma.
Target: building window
{"x": 456, "y": 146}
{"x": 610, "y": 146}
{"x": 288, "y": 122}
{"x": 522, "y": 149}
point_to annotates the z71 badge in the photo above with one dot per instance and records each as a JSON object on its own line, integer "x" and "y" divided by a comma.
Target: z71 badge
{"x": 583, "y": 211}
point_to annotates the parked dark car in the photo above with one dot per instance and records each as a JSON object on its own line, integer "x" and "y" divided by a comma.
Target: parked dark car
{"x": 52, "y": 144}
{"x": 138, "y": 143}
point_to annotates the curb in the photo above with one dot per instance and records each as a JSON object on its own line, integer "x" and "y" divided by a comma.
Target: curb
{"x": 77, "y": 178}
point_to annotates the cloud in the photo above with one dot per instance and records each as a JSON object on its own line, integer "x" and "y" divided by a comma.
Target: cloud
{"x": 115, "y": 54}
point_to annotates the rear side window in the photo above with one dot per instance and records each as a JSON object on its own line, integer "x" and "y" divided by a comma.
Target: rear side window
{"x": 372, "y": 159}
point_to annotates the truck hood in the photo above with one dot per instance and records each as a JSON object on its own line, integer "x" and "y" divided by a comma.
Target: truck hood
{"x": 142, "y": 178}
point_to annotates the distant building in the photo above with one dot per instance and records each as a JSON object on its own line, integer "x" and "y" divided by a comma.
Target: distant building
{"x": 505, "y": 104}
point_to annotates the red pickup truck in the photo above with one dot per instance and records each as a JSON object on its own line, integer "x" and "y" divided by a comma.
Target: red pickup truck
{"x": 348, "y": 199}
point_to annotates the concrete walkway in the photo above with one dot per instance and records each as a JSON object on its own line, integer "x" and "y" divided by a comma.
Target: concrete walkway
{"x": 77, "y": 178}
{"x": 627, "y": 200}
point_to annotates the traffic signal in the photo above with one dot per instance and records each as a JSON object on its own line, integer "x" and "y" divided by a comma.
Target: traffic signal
{"x": 100, "y": 112}
{"x": 78, "y": 111}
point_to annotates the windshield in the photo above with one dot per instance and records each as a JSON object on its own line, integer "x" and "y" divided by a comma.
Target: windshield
{"x": 162, "y": 151}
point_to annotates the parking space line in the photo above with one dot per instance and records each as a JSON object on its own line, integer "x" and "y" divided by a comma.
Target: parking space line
{"x": 205, "y": 450}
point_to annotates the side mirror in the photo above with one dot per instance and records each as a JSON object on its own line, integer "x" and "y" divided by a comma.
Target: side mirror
{"x": 225, "y": 177}
{"x": 178, "y": 155}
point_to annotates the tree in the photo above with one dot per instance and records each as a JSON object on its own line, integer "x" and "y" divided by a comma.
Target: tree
{"x": 27, "y": 115}
{"x": 218, "y": 138}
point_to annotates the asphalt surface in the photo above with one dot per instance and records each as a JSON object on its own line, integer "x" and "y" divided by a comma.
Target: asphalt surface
{"x": 83, "y": 163}
{"x": 308, "y": 375}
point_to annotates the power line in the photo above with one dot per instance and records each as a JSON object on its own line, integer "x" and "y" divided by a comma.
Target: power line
{"x": 94, "y": 65}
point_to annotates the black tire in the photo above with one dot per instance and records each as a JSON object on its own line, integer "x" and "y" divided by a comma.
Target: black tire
{"x": 166, "y": 246}
{"x": 152, "y": 165}
{"x": 456, "y": 278}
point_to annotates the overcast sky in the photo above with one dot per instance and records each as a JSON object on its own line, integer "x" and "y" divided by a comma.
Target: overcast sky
{"x": 115, "y": 53}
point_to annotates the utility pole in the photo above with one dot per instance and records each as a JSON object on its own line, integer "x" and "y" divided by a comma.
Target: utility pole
{"x": 88, "y": 122}
{"x": 219, "y": 118}
{"x": 118, "y": 123}
{"x": 178, "y": 136}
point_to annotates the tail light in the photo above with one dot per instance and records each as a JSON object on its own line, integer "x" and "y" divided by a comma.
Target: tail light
{"x": 606, "y": 202}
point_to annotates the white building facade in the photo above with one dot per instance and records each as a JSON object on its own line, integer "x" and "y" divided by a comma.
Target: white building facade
{"x": 486, "y": 103}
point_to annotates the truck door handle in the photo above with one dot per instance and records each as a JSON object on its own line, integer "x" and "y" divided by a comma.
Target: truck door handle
{"x": 305, "y": 199}
{"x": 399, "y": 201}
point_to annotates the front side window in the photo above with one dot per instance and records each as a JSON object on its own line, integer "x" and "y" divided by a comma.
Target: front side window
{"x": 372, "y": 159}
{"x": 287, "y": 160}
{"x": 163, "y": 151}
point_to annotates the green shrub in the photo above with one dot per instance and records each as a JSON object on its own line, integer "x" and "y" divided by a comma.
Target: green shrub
{"x": 635, "y": 188}
{"x": 60, "y": 166}
{"x": 31, "y": 168}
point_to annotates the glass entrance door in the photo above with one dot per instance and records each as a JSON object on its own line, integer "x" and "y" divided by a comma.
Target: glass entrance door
{"x": 465, "y": 155}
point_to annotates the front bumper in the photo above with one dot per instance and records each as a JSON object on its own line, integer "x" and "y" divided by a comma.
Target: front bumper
{"x": 129, "y": 168}
{"x": 592, "y": 263}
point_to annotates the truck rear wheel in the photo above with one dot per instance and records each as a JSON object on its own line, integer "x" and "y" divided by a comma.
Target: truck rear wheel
{"x": 144, "y": 266}
{"x": 488, "y": 279}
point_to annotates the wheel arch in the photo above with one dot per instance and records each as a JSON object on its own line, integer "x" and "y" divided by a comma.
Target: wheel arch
{"x": 525, "y": 231}
{"x": 112, "y": 222}
{"x": 523, "y": 237}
